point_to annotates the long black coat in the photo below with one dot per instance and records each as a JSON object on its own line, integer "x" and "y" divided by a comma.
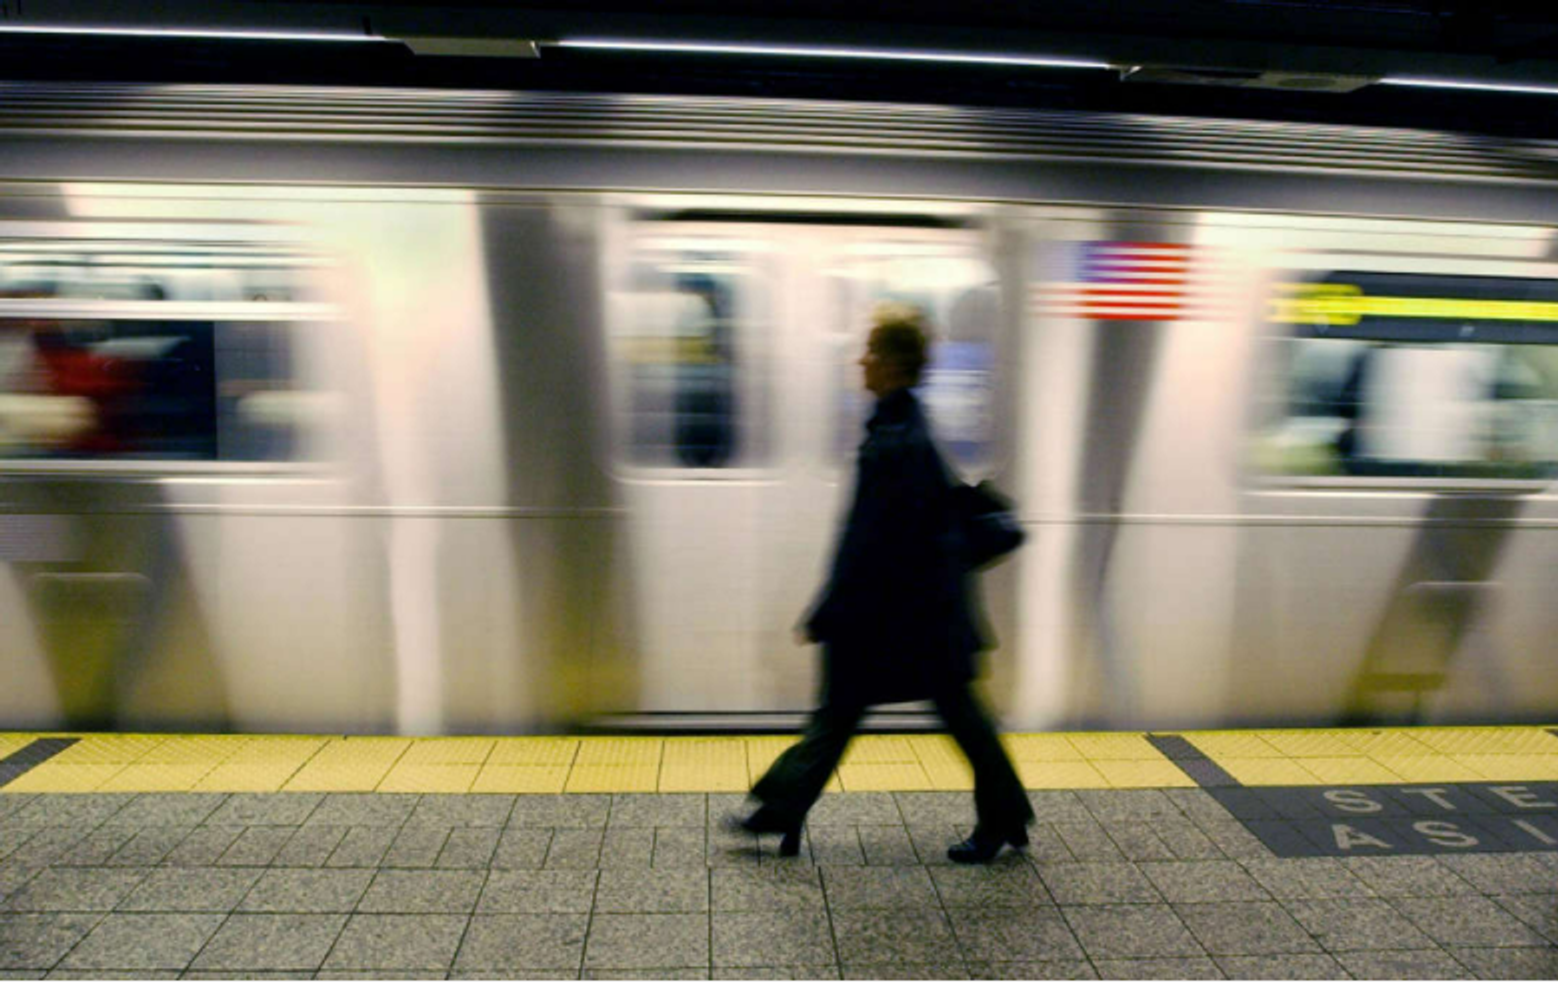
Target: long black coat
{"x": 896, "y": 618}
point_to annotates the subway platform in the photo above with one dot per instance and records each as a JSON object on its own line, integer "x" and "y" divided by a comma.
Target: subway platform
{"x": 1385, "y": 853}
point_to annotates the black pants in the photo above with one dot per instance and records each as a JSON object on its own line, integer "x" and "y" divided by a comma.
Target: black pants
{"x": 793, "y": 784}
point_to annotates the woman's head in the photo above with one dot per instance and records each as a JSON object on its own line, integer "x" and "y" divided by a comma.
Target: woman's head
{"x": 896, "y": 350}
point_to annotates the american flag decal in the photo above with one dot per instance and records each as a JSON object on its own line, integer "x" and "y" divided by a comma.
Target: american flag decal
{"x": 1132, "y": 281}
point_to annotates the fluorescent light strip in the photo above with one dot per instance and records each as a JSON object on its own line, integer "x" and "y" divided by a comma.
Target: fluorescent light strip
{"x": 877, "y": 54}
{"x": 154, "y": 32}
{"x": 1445, "y": 83}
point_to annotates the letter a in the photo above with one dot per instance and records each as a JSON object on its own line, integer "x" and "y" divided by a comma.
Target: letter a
{"x": 1347, "y": 837}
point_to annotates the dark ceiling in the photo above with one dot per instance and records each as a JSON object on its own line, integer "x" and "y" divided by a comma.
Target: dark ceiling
{"x": 1227, "y": 42}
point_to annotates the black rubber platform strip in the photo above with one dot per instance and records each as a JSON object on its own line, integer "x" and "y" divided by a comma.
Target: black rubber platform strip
{"x": 1201, "y": 768}
{"x": 31, "y": 756}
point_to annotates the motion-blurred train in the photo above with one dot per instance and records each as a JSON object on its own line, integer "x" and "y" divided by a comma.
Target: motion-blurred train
{"x": 436, "y": 412}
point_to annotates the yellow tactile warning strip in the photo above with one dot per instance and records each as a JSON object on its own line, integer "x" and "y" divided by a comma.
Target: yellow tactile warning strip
{"x": 108, "y": 762}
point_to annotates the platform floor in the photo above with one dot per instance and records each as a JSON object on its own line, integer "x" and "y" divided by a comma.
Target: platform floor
{"x": 1270, "y": 854}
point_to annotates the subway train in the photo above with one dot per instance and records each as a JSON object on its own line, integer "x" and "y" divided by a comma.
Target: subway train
{"x": 391, "y": 411}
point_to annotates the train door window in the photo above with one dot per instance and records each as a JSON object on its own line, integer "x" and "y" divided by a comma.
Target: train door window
{"x": 689, "y": 338}
{"x": 956, "y": 286}
{"x": 1408, "y": 375}
{"x": 138, "y": 351}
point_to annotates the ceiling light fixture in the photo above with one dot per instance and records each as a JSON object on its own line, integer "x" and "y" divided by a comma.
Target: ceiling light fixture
{"x": 1449, "y": 83}
{"x": 797, "y": 51}
{"x": 151, "y": 32}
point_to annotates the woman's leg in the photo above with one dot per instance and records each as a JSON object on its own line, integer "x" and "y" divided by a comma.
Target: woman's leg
{"x": 797, "y": 778}
{"x": 999, "y": 799}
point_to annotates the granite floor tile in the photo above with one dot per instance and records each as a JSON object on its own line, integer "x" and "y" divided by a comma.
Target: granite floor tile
{"x": 646, "y": 973}
{"x": 49, "y": 845}
{"x": 204, "y": 846}
{"x": 182, "y": 808}
{"x": 469, "y": 848}
{"x": 1537, "y": 910}
{"x": 361, "y": 846}
{"x": 1465, "y": 920}
{"x": 398, "y": 942}
{"x": 1509, "y": 963}
{"x": 1058, "y": 806}
{"x": 307, "y": 891}
{"x": 676, "y": 846}
{"x": 1138, "y": 841}
{"x": 559, "y": 811}
{"x": 647, "y": 941}
{"x": 257, "y": 846}
{"x": 1204, "y": 881}
{"x": 835, "y": 845}
{"x": 39, "y": 941}
{"x": 551, "y": 891}
{"x": 728, "y": 848}
{"x": 905, "y": 935}
{"x": 1128, "y": 805}
{"x": 931, "y": 842}
{"x": 1088, "y": 841}
{"x": 575, "y": 848}
{"x": 1356, "y": 925}
{"x": 780, "y": 972}
{"x": 137, "y": 941}
{"x": 1508, "y": 873}
{"x": 267, "y": 809}
{"x": 654, "y": 891}
{"x": 990, "y": 886}
{"x": 887, "y": 845}
{"x": 1013, "y": 935}
{"x": 374, "y": 810}
{"x": 792, "y": 937}
{"x": 1234, "y": 840}
{"x": 416, "y": 847}
{"x": 150, "y": 845}
{"x": 764, "y": 889}
{"x": 523, "y": 849}
{"x": 876, "y": 807}
{"x": 1097, "y": 883}
{"x": 1305, "y": 879}
{"x": 1280, "y": 967}
{"x": 85, "y": 811}
{"x": 1046, "y": 846}
{"x": 516, "y": 973}
{"x": 1063, "y": 969}
{"x": 281, "y": 942}
{"x": 907, "y": 970}
{"x": 422, "y": 892}
{"x": 1421, "y": 964}
{"x": 13, "y": 878}
{"x": 850, "y": 888}
{"x": 1407, "y": 876}
{"x": 116, "y": 973}
{"x": 502, "y": 944}
{"x": 658, "y": 811}
{"x": 628, "y": 848}
{"x": 1157, "y": 968}
{"x": 1131, "y": 931}
{"x": 96, "y": 848}
{"x": 462, "y": 810}
{"x": 1185, "y": 840}
{"x": 1249, "y": 928}
{"x": 251, "y": 974}
{"x": 76, "y": 889}
{"x": 310, "y": 846}
{"x": 184, "y": 890}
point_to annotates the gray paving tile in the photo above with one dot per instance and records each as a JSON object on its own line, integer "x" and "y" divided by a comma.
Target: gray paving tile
{"x": 183, "y": 808}
{"x": 792, "y": 937}
{"x": 398, "y": 941}
{"x": 1013, "y": 934}
{"x": 76, "y": 889}
{"x": 359, "y": 973}
{"x": 268, "y": 809}
{"x": 1424, "y": 964}
{"x": 523, "y": 849}
{"x": 876, "y": 807}
{"x": 887, "y": 845}
{"x": 1506, "y": 873}
{"x": 369, "y": 809}
{"x": 282, "y": 942}
{"x": 550, "y": 891}
{"x": 659, "y": 810}
{"x": 1468, "y": 921}
{"x": 307, "y": 891}
{"x": 1539, "y": 910}
{"x": 115, "y": 973}
{"x": 1128, "y": 805}
{"x": 851, "y": 888}
{"x": 1406, "y": 876}
{"x": 96, "y": 848}
{"x": 422, "y": 892}
{"x": 906, "y": 935}
{"x": 1307, "y": 879}
{"x": 574, "y": 848}
{"x": 462, "y": 810}
{"x": 1097, "y": 883}
{"x": 362, "y": 846}
{"x": 204, "y": 846}
{"x": 1185, "y": 840}
{"x": 1254, "y": 928}
{"x": 1139, "y": 842}
{"x": 13, "y": 878}
{"x": 310, "y": 846}
{"x": 560, "y": 811}
{"x": 931, "y": 841}
{"x": 1058, "y": 806}
{"x": 1280, "y": 967}
{"x": 1157, "y": 968}
{"x": 653, "y": 891}
{"x": 995, "y": 885}
{"x": 176, "y": 890}
{"x": 416, "y": 847}
{"x": 1066, "y": 968}
{"x": 835, "y": 845}
{"x": 507, "y": 943}
{"x": 733, "y": 848}
{"x": 516, "y": 973}
{"x": 1046, "y": 846}
{"x": 1131, "y": 931}
{"x": 250, "y": 974}
{"x": 16, "y": 973}
{"x": 469, "y": 848}
{"x": 131, "y": 941}
{"x": 1509, "y": 963}
{"x": 1204, "y": 881}
{"x": 257, "y": 846}
{"x": 781, "y": 972}
{"x": 13, "y": 837}
{"x": 1234, "y": 840}
{"x": 1088, "y": 841}
{"x": 150, "y": 845}
{"x": 1356, "y": 925}
{"x": 641, "y": 973}
{"x": 84, "y": 811}
{"x": 38, "y": 941}
{"x": 906, "y": 970}
{"x": 49, "y": 845}
{"x": 628, "y": 848}
{"x": 647, "y": 941}
{"x": 680, "y": 847}
{"x": 773, "y": 888}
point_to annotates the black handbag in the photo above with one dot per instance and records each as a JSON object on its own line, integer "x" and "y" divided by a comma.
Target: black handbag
{"x": 986, "y": 522}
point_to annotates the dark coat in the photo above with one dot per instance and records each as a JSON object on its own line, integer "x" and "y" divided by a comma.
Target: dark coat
{"x": 896, "y": 617}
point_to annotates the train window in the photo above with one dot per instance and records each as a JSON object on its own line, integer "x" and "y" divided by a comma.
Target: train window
{"x": 957, "y": 290}
{"x": 1407, "y": 375}
{"x": 688, "y": 349}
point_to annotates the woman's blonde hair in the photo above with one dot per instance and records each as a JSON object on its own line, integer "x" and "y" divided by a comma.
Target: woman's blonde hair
{"x": 899, "y": 334}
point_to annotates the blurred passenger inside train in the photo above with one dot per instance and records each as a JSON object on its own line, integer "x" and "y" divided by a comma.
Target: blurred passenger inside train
{"x": 895, "y": 618}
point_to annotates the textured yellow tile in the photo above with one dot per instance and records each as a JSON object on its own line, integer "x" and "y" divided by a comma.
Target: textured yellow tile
{"x": 361, "y": 751}
{"x": 705, "y": 752}
{"x": 950, "y": 776}
{"x": 1349, "y": 770}
{"x": 158, "y": 777}
{"x": 1143, "y": 774}
{"x": 1038, "y": 774}
{"x": 1309, "y": 743}
{"x": 880, "y": 750}
{"x": 430, "y": 778}
{"x": 619, "y": 752}
{"x": 520, "y": 779}
{"x": 1040, "y": 746}
{"x": 1385, "y": 743}
{"x": 1432, "y": 767}
{"x": 1266, "y": 771}
{"x": 1509, "y": 767}
{"x": 1231, "y": 743}
{"x": 108, "y": 748}
{"x": 944, "y": 763}
{"x": 884, "y": 777}
{"x": 710, "y": 777}
{"x": 1114, "y": 746}
{"x": 449, "y": 750}
{"x": 939, "y": 748}
{"x": 65, "y": 777}
{"x": 315, "y": 776}
{"x": 277, "y": 750}
{"x": 247, "y": 777}
{"x": 763, "y": 751}
{"x": 534, "y": 751}
{"x": 834, "y": 784}
{"x": 210, "y": 750}
{"x": 1488, "y": 740}
{"x": 612, "y": 777}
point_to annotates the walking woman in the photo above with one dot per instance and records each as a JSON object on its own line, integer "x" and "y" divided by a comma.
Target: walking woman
{"x": 895, "y": 620}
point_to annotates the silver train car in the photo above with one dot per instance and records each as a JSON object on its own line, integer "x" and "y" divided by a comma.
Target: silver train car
{"x": 437, "y": 412}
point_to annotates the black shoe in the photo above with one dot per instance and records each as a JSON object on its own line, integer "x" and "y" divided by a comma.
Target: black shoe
{"x": 982, "y": 846}
{"x": 763, "y": 822}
